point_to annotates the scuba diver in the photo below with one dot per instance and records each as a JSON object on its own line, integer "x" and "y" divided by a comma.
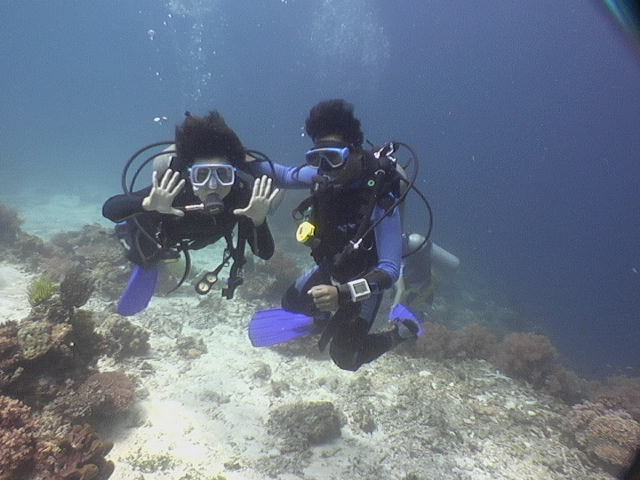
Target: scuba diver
{"x": 203, "y": 186}
{"x": 352, "y": 224}
{"x": 416, "y": 285}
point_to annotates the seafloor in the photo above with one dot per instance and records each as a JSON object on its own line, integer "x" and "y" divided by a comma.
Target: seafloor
{"x": 210, "y": 406}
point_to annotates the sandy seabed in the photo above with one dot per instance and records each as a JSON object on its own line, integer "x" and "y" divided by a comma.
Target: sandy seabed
{"x": 206, "y": 416}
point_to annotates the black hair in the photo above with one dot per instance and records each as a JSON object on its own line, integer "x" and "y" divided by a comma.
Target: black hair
{"x": 209, "y": 136}
{"x": 334, "y": 117}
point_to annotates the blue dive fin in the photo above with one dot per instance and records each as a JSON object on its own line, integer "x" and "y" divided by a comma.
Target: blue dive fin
{"x": 270, "y": 327}
{"x": 401, "y": 312}
{"x": 139, "y": 291}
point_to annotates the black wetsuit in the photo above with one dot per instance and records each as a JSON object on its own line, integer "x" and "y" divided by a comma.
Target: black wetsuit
{"x": 196, "y": 228}
{"x": 337, "y": 218}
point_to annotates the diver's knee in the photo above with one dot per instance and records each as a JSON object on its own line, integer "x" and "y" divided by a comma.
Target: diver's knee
{"x": 344, "y": 358}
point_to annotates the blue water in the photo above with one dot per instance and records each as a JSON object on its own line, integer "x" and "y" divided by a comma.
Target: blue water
{"x": 525, "y": 115}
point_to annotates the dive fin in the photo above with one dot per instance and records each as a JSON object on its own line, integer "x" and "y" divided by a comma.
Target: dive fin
{"x": 140, "y": 289}
{"x": 401, "y": 314}
{"x": 270, "y": 327}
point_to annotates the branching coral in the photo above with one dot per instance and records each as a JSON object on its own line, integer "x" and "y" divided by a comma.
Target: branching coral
{"x": 17, "y": 440}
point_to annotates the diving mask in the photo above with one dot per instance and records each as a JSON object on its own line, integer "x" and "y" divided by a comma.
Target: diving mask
{"x": 327, "y": 158}
{"x": 212, "y": 175}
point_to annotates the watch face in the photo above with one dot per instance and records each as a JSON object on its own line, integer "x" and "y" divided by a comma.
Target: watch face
{"x": 360, "y": 288}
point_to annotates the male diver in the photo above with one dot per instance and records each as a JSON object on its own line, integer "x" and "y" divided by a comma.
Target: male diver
{"x": 352, "y": 224}
{"x": 200, "y": 192}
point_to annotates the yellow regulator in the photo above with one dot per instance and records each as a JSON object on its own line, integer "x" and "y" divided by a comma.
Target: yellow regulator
{"x": 305, "y": 233}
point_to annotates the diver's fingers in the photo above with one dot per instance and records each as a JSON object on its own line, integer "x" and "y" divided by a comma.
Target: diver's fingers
{"x": 265, "y": 186}
{"x": 154, "y": 179}
{"x": 173, "y": 180}
{"x": 176, "y": 190}
{"x": 165, "y": 179}
{"x": 273, "y": 195}
{"x": 256, "y": 188}
{"x": 240, "y": 211}
{"x": 318, "y": 291}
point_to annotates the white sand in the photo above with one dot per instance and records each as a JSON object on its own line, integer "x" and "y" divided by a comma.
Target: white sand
{"x": 13, "y": 292}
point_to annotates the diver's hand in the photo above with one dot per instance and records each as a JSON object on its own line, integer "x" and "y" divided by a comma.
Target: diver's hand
{"x": 260, "y": 201}
{"x": 325, "y": 297}
{"x": 162, "y": 194}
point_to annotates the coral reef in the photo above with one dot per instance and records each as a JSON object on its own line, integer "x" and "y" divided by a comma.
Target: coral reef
{"x": 108, "y": 393}
{"x": 38, "y": 338}
{"x": 190, "y": 347}
{"x": 9, "y": 354}
{"x": 528, "y": 356}
{"x": 474, "y": 341}
{"x": 17, "y": 437}
{"x": 78, "y": 456}
{"x": 621, "y": 392}
{"x": 271, "y": 279}
{"x": 123, "y": 338}
{"x": 41, "y": 290}
{"x": 10, "y": 223}
{"x": 566, "y": 385}
{"x": 610, "y": 437}
{"x": 38, "y": 255}
{"x": 76, "y": 288}
{"x": 306, "y": 423}
{"x": 437, "y": 345}
{"x": 98, "y": 251}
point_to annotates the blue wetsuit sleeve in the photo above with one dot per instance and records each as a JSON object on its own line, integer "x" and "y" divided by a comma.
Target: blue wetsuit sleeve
{"x": 388, "y": 235}
{"x": 287, "y": 177}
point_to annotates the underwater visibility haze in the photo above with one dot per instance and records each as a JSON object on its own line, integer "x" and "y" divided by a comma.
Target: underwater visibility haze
{"x": 524, "y": 116}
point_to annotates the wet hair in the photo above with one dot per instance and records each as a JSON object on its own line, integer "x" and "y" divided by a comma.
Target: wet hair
{"x": 334, "y": 117}
{"x": 209, "y": 136}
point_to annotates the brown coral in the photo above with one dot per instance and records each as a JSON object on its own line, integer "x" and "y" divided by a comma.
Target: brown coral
{"x": 528, "y": 356}
{"x": 609, "y": 436}
{"x": 17, "y": 440}
{"x": 123, "y": 338}
{"x": 76, "y": 288}
{"x": 474, "y": 341}
{"x": 621, "y": 392}
{"x": 79, "y": 456}
{"x": 436, "y": 344}
{"x": 9, "y": 356}
{"x": 108, "y": 393}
